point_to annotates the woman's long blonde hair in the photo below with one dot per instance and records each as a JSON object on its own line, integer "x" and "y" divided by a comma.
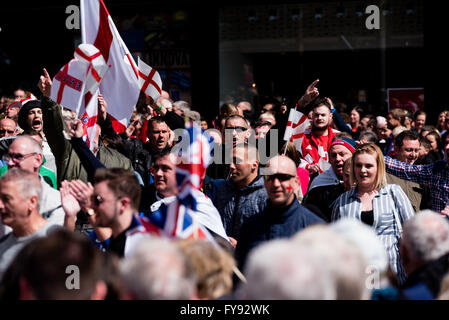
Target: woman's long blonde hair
{"x": 371, "y": 148}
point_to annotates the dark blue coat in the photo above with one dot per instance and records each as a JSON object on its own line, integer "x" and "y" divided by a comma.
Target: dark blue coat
{"x": 272, "y": 223}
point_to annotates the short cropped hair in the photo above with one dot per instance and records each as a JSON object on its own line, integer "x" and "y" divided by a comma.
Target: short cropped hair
{"x": 27, "y": 182}
{"x": 368, "y": 135}
{"x": 43, "y": 264}
{"x": 122, "y": 183}
{"x": 426, "y": 236}
{"x": 321, "y": 102}
{"x": 405, "y": 135}
{"x": 157, "y": 119}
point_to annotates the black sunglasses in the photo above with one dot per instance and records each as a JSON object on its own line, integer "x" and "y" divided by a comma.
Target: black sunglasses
{"x": 280, "y": 176}
{"x": 236, "y": 128}
{"x": 3, "y": 131}
{"x": 97, "y": 200}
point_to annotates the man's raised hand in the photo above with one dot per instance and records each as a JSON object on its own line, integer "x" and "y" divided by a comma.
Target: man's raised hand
{"x": 76, "y": 129}
{"x": 310, "y": 94}
{"x": 102, "y": 107}
{"x": 45, "y": 84}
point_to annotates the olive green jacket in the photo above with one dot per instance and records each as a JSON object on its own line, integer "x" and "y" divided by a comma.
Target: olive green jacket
{"x": 67, "y": 162}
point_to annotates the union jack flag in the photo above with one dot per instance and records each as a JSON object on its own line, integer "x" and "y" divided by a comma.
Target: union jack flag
{"x": 175, "y": 221}
{"x": 195, "y": 151}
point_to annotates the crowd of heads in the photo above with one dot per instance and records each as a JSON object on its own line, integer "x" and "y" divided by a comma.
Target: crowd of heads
{"x": 342, "y": 260}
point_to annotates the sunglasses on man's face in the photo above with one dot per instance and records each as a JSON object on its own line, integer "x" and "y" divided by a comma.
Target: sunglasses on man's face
{"x": 236, "y": 128}
{"x": 280, "y": 176}
{"x": 3, "y": 131}
{"x": 96, "y": 200}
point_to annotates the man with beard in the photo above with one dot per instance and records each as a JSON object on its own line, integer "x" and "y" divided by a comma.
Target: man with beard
{"x": 328, "y": 186}
{"x": 115, "y": 202}
{"x": 316, "y": 143}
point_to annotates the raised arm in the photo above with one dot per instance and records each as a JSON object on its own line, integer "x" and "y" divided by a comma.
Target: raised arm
{"x": 88, "y": 160}
{"x": 421, "y": 174}
{"x": 54, "y": 125}
{"x": 310, "y": 94}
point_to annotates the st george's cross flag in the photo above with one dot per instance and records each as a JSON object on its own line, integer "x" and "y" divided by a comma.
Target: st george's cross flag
{"x": 149, "y": 80}
{"x": 297, "y": 124}
{"x": 120, "y": 86}
{"x": 75, "y": 87}
{"x": 76, "y": 82}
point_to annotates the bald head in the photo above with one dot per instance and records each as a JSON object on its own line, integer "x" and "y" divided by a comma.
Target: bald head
{"x": 281, "y": 164}
{"x": 8, "y": 128}
{"x": 281, "y": 181}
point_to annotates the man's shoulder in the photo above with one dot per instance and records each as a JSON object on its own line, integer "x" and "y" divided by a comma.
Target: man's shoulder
{"x": 307, "y": 215}
{"x": 4, "y": 241}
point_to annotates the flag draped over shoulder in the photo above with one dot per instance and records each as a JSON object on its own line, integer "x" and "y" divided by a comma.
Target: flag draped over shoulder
{"x": 120, "y": 87}
{"x": 296, "y": 126}
{"x": 177, "y": 219}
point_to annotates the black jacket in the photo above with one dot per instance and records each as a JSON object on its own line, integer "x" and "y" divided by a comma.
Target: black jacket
{"x": 323, "y": 198}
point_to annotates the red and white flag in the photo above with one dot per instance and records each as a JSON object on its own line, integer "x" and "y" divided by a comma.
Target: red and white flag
{"x": 76, "y": 82}
{"x": 296, "y": 126}
{"x": 120, "y": 87}
{"x": 149, "y": 80}
{"x": 75, "y": 87}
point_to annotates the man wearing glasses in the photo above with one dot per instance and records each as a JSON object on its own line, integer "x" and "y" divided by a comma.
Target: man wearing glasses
{"x": 112, "y": 205}
{"x": 26, "y": 153}
{"x": 283, "y": 215}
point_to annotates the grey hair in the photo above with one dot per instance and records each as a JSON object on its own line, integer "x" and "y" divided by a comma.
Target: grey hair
{"x": 365, "y": 238}
{"x": 426, "y": 236}
{"x": 28, "y": 183}
{"x": 158, "y": 270}
{"x": 280, "y": 269}
{"x": 182, "y": 105}
{"x": 345, "y": 261}
{"x": 34, "y": 145}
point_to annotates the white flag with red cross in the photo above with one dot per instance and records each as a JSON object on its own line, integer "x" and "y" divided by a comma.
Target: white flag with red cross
{"x": 120, "y": 87}
{"x": 76, "y": 82}
{"x": 296, "y": 126}
{"x": 149, "y": 80}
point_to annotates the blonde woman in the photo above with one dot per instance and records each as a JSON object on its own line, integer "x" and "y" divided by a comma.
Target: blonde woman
{"x": 385, "y": 207}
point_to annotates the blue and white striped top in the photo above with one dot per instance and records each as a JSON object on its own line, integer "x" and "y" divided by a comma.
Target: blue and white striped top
{"x": 389, "y": 198}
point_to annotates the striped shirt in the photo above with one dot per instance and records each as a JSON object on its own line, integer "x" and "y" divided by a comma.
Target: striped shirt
{"x": 389, "y": 198}
{"x": 434, "y": 175}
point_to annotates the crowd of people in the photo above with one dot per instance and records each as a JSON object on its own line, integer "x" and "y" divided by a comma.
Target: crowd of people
{"x": 357, "y": 210}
